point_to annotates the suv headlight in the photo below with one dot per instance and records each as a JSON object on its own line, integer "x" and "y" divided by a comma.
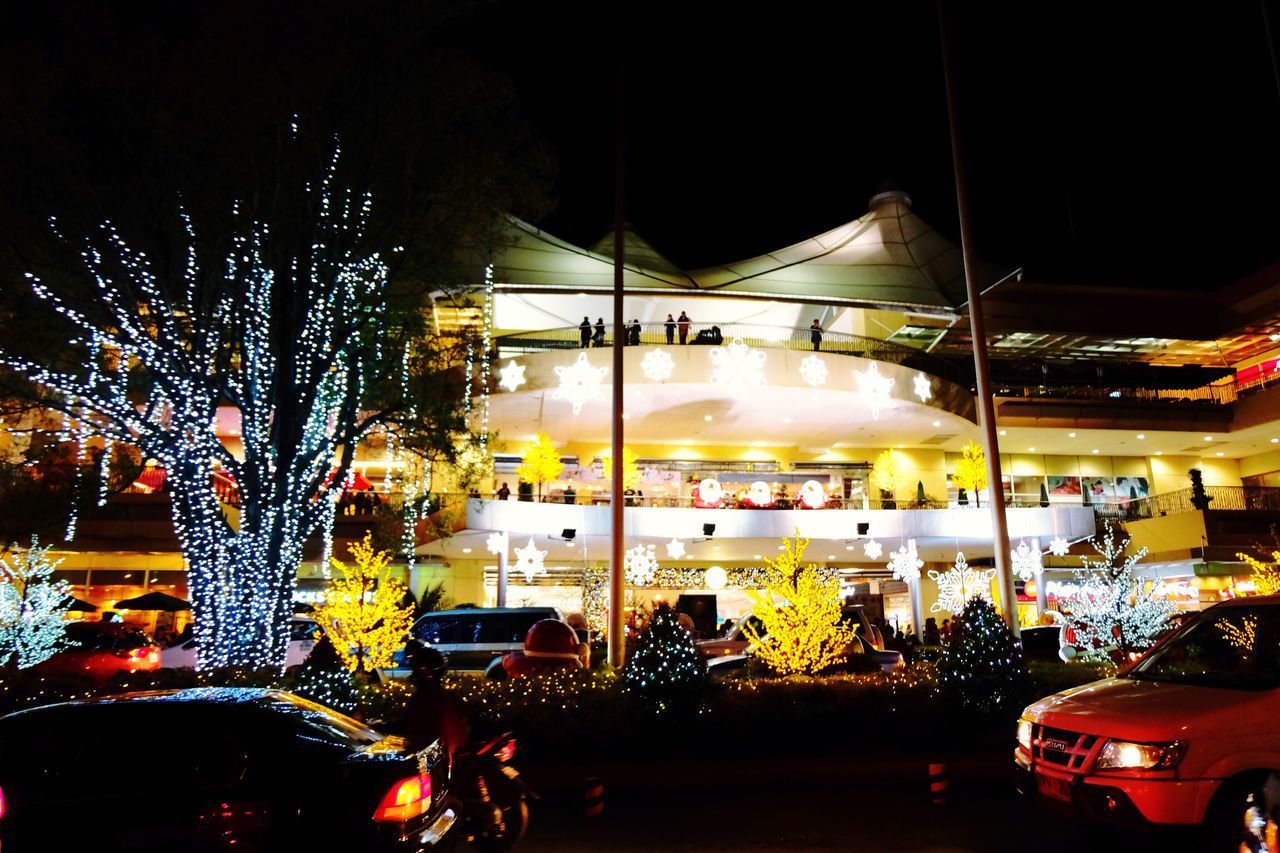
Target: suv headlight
{"x": 1024, "y": 734}
{"x": 1125, "y": 755}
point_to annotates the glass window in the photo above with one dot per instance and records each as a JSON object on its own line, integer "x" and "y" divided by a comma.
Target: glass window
{"x": 1233, "y": 647}
{"x": 503, "y": 628}
{"x": 444, "y": 630}
{"x": 75, "y": 577}
{"x": 316, "y": 722}
{"x": 301, "y": 629}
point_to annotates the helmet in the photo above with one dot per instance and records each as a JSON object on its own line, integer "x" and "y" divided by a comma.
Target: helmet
{"x": 425, "y": 657}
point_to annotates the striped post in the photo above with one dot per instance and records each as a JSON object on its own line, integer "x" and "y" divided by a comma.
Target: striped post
{"x": 939, "y": 784}
{"x": 593, "y": 797}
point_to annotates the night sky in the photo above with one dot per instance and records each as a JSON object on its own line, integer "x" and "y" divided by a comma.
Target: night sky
{"x": 1133, "y": 144}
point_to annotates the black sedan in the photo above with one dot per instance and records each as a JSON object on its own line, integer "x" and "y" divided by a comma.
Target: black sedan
{"x": 213, "y": 769}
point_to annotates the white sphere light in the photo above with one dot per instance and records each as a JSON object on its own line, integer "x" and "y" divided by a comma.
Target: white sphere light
{"x": 716, "y": 578}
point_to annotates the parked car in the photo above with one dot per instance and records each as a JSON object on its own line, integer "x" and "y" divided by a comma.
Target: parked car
{"x": 1184, "y": 735}
{"x": 735, "y": 641}
{"x": 215, "y": 769}
{"x": 303, "y": 634}
{"x": 99, "y": 650}
{"x": 478, "y": 638}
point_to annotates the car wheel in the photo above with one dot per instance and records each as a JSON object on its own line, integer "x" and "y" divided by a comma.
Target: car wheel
{"x": 515, "y": 823}
{"x": 1245, "y": 815}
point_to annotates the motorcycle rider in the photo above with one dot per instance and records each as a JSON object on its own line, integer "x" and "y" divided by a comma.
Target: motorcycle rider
{"x": 432, "y": 712}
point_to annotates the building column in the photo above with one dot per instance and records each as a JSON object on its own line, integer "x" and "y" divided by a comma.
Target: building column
{"x": 501, "y": 599}
{"x": 1042, "y": 594}
{"x": 917, "y": 608}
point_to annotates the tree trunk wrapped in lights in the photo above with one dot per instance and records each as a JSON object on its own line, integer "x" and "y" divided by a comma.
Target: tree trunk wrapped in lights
{"x": 288, "y": 324}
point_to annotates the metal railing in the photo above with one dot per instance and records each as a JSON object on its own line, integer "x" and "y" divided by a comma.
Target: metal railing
{"x": 1218, "y": 395}
{"x": 1229, "y": 498}
{"x": 753, "y": 334}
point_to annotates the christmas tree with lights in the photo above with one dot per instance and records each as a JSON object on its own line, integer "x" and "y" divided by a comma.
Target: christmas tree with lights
{"x": 1114, "y": 612}
{"x": 665, "y": 661}
{"x": 981, "y": 666}
{"x": 365, "y": 610}
{"x": 33, "y": 604}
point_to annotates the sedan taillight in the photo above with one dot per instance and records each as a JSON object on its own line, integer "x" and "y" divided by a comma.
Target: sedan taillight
{"x": 407, "y": 799}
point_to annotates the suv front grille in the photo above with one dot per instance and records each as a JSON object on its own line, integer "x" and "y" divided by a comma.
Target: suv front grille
{"x": 1068, "y": 750}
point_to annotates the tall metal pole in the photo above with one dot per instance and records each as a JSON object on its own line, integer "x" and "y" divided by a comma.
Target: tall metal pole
{"x": 978, "y": 331}
{"x": 617, "y": 592}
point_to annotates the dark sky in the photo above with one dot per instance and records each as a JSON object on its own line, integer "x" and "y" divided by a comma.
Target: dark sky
{"x": 1134, "y": 144}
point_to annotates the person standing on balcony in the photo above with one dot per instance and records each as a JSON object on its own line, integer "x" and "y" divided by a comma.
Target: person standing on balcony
{"x": 683, "y": 323}
{"x": 670, "y": 327}
{"x": 584, "y": 332}
{"x": 815, "y": 335}
{"x": 633, "y": 333}
{"x": 504, "y": 493}
{"x": 597, "y": 339}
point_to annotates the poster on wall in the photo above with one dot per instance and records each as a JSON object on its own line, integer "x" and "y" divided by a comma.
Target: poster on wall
{"x": 1099, "y": 487}
{"x": 1132, "y": 488}
{"x": 1064, "y": 486}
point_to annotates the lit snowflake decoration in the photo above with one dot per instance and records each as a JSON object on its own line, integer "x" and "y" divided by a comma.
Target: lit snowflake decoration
{"x": 737, "y": 367}
{"x": 814, "y": 371}
{"x": 580, "y": 382}
{"x": 872, "y": 549}
{"x": 923, "y": 387}
{"x": 640, "y": 565}
{"x": 1026, "y": 562}
{"x": 1059, "y": 547}
{"x": 529, "y": 561}
{"x": 959, "y": 584}
{"x": 497, "y": 542}
{"x": 675, "y": 549}
{"x": 512, "y": 376}
{"x": 905, "y": 563}
{"x": 657, "y": 365}
{"x": 874, "y": 388}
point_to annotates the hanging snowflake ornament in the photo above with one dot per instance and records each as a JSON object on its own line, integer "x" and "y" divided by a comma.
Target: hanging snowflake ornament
{"x": 529, "y": 561}
{"x": 923, "y": 387}
{"x": 813, "y": 370}
{"x": 960, "y": 583}
{"x": 496, "y": 543}
{"x": 905, "y": 563}
{"x": 640, "y": 564}
{"x": 511, "y": 376}
{"x": 1059, "y": 547}
{"x": 1026, "y": 562}
{"x": 874, "y": 388}
{"x": 737, "y": 367}
{"x": 675, "y": 549}
{"x": 657, "y": 365}
{"x": 580, "y": 382}
{"x": 872, "y": 549}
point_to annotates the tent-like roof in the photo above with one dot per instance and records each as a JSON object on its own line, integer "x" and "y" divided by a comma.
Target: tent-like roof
{"x": 889, "y": 257}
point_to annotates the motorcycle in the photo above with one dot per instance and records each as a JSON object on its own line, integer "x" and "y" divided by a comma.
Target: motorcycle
{"x": 492, "y": 796}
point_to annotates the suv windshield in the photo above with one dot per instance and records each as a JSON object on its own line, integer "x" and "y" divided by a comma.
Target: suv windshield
{"x": 1232, "y": 647}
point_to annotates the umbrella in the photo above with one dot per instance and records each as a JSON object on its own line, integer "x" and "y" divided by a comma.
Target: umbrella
{"x": 154, "y": 601}
{"x": 79, "y": 605}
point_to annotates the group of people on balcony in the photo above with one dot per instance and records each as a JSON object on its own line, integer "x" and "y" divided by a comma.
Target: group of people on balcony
{"x": 592, "y": 335}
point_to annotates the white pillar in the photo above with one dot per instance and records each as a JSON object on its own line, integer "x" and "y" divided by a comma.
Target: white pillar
{"x": 1042, "y": 594}
{"x": 502, "y": 572}
{"x": 917, "y": 608}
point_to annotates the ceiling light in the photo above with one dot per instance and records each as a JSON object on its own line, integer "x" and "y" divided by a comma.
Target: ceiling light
{"x": 1220, "y": 453}
{"x": 781, "y": 547}
{"x": 1004, "y": 432}
{"x": 1208, "y": 438}
{"x": 626, "y": 417}
{"x": 1141, "y": 436}
{"x": 831, "y": 556}
{"x": 466, "y": 550}
{"x": 1159, "y": 453}
{"x": 848, "y": 547}
{"x": 707, "y": 418}
{"x": 1275, "y": 441}
{"x": 937, "y": 423}
{"x": 1031, "y": 450}
{"x": 1071, "y": 435}
{"x": 755, "y": 556}
{"x": 1095, "y": 450}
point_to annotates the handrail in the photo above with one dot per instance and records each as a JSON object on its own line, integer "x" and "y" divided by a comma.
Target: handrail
{"x": 756, "y": 335}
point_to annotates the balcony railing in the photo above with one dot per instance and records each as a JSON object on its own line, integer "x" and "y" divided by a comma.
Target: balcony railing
{"x": 1230, "y": 498}
{"x": 752, "y": 334}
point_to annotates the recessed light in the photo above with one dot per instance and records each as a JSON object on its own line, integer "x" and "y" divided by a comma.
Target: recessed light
{"x": 831, "y": 556}
{"x": 1275, "y": 441}
{"x": 848, "y": 547}
{"x": 900, "y": 446}
{"x": 707, "y": 418}
{"x": 1071, "y": 435}
{"x": 1159, "y": 453}
{"x": 466, "y": 550}
{"x": 1141, "y": 436}
{"x": 755, "y": 556}
{"x": 1004, "y": 432}
{"x": 1095, "y": 450}
{"x": 1220, "y": 453}
{"x": 937, "y": 423}
{"x": 1031, "y": 450}
{"x": 1208, "y": 438}
{"x": 626, "y": 417}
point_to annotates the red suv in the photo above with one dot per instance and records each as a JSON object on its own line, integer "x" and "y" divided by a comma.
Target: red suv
{"x": 101, "y": 649}
{"x": 1184, "y": 735}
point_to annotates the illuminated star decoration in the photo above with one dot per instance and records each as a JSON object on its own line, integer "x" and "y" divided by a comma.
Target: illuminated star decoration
{"x": 512, "y": 376}
{"x": 872, "y": 549}
{"x": 657, "y": 365}
{"x": 640, "y": 565}
{"x": 905, "y": 563}
{"x": 496, "y": 543}
{"x": 814, "y": 371}
{"x": 924, "y": 387}
{"x": 1059, "y": 547}
{"x": 959, "y": 584}
{"x": 675, "y": 549}
{"x": 737, "y": 367}
{"x": 1026, "y": 562}
{"x": 529, "y": 560}
{"x": 874, "y": 388}
{"x": 580, "y": 382}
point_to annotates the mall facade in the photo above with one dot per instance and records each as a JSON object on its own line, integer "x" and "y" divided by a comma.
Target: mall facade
{"x": 760, "y": 408}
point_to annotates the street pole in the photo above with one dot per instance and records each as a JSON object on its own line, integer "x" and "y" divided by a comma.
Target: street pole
{"x": 617, "y": 592}
{"x": 978, "y": 331}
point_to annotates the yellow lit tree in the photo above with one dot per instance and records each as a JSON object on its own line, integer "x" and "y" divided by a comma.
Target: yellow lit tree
{"x": 541, "y": 463}
{"x": 363, "y": 613}
{"x": 888, "y": 473}
{"x": 799, "y": 609}
{"x": 630, "y": 470}
{"x": 971, "y": 470}
{"x": 1266, "y": 576}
